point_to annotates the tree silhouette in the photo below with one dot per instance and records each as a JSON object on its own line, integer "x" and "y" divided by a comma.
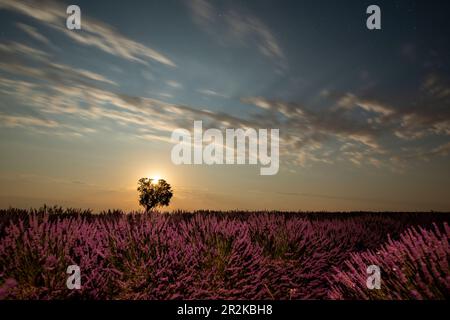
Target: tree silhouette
{"x": 154, "y": 194}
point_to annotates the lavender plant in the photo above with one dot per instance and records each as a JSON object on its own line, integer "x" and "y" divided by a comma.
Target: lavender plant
{"x": 218, "y": 255}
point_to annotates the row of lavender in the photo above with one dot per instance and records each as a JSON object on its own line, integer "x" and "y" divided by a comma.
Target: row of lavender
{"x": 213, "y": 255}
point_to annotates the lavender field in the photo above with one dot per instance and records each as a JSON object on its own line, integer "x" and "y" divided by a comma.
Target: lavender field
{"x": 223, "y": 255}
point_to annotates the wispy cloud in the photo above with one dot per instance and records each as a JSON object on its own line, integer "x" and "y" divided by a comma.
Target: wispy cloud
{"x": 165, "y": 95}
{"x": 350, "y": 128}
{"x": 174, "y": 84}
{"x": 9, "y": 50}
{"x": 350, "y": 101}
{"x": 208, "y": 92}
{"x": 237, "y": 27}
{"x": 247, "y": 27}
{"x": 33, "y": 32}
{"x": 342, "y": 132}
{"x": 26, "y": 121}
{"x": 94, "y": 33}
{"x": 20, "y": 59}
{"x": 338, "y": 134}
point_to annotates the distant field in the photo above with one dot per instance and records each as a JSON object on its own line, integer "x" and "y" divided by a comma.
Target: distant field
{"x": 223, "y": 255}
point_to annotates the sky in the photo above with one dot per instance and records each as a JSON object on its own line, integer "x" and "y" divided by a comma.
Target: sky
{"x": 363, "y": 115}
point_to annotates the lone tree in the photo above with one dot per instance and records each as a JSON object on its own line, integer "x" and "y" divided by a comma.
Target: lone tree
{"x": 154, "y": 193}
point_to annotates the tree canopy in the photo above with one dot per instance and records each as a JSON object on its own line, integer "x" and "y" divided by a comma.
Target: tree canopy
{"x": 154, "y": 193}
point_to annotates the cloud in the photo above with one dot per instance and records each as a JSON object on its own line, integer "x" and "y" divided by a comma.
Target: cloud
{"x": 13, "y": 48}
{"x": 32, "y": 32}
{"x": 94, "y": 33}
{"x": 174, "y": 84}
{"x": 435, "y": 86}
{"x": 350, "y": 101}
{"x": 350, "y": 128}
{"x": 307, "y": 135}
{"x": 213, "y": 93}
{"x": 316, "y": 125}
{"x": 429, "y": 114}
{"x": 203, "y": 12}
{"x": 247, "y": 27}
{"x": 25, "y": 121}
{"x": 231, "y": 26}
{"x": 19, "y": 59}
{"x": 442, "y": 150}
{"x": 368, "y": 131}
{"x": 75, "y": 98}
